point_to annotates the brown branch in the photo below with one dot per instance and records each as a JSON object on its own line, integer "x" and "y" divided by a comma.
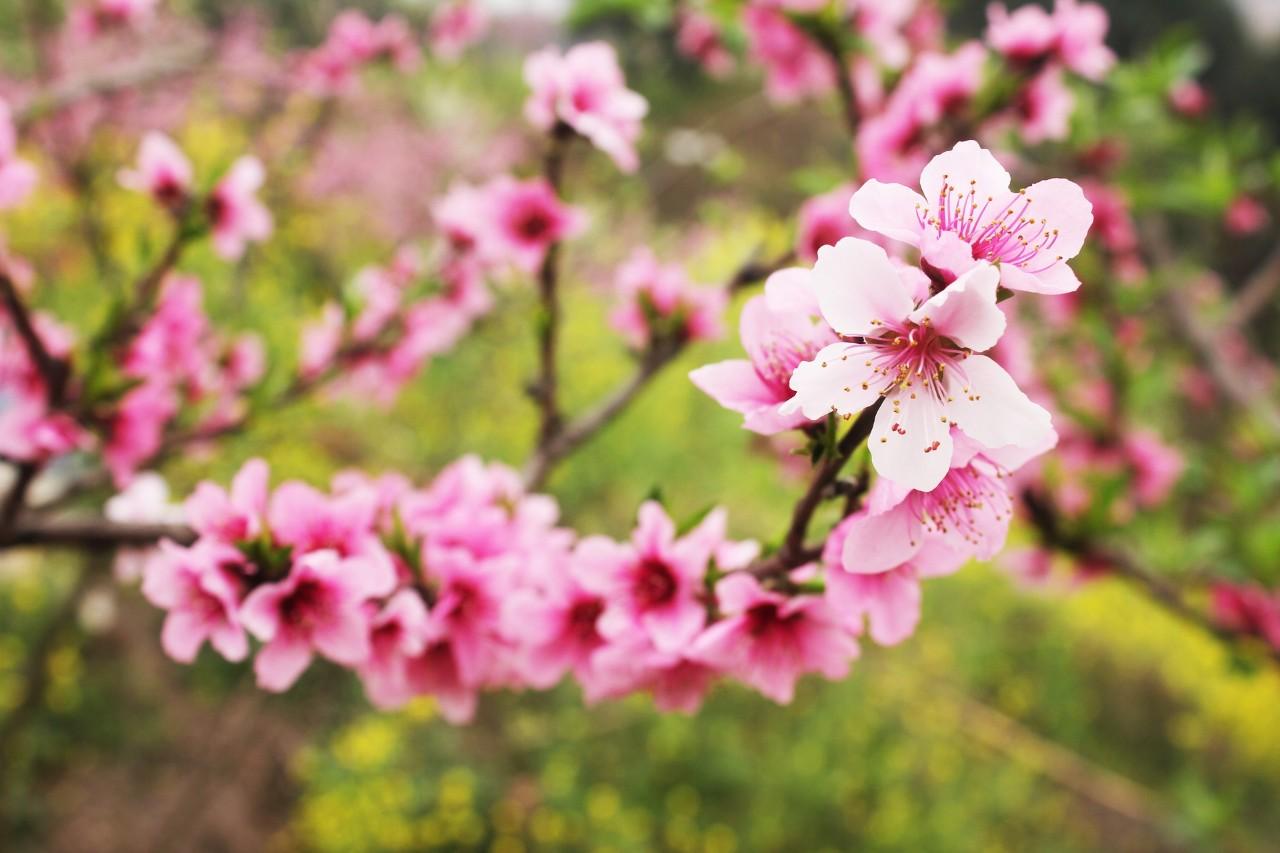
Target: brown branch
{"x": 545, "y": 389}
{"x": 830, "y": 43}
{"x": 1048, "y": 526}
{"x": 53, "y": 371}
{"x": 93, "y": 533}
{"x": 794, "y": 552}
{"x": 1260, "y": 288}
{"x": 570, "y": 437}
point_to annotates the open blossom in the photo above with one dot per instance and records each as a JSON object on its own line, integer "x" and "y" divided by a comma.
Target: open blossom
{"x": 677, "y": 682}
{"x": 318, "y": 607}
{"x": 397, "y": 634}
{"x": 964, "y": 516}
{"x": 163, "y": 171}
{"x": 779, "y": 331}
{"x": 1245, "y": 215}
{"x": 201, "y": 591}
{"x": 236, "y": 216}
{"x": 659, "y": 300}
{"x": 768, "y": 640}
{"x": 17, "y": 176}
{"x": 529, "y": 217}
{"x": 559, "y": 627}
{"x": 585, "y": 89}
{"x": 889, "y": 601}
{"x": 654, "y": 583}
{"x": 1043, "y": 108}
{"x": 795, "y": 67}
{"x": 231, "y": 516}
{"x": 968, "y": 215}
{"x": 455, "y": 26}
{"x": 137, "y": 429}
{"x": 1074, "y": 34}
{"x": 919, "y": 354}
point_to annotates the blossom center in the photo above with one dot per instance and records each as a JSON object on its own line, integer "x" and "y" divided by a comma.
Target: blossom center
{"x": 655, "y": 584}
{"x": 1000, "y": 233}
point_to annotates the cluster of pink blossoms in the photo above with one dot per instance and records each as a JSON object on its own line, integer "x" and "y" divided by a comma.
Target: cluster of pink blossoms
{"x": 232, "y": 211}
{"x": 95, "y": 17}
{"x": 468, "y": 585}
{"x": 657, "y": 302}
{"x": 861, "y": 329}
{"x": 354, "y": 42}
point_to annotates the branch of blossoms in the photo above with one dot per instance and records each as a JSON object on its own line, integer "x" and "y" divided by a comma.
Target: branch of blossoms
{"x": 1170, "y": 596}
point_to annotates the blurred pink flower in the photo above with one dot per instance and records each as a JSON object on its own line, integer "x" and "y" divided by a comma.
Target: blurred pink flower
{"x": 17, "y": 177}
{"x": 527, "y": 218}
{"x": 779, "y": 331}
{"x": 1245, "y": 215}
{"x": 585, "y": 89}
{"x": 698, "y": 37}
{"x": 163, "y": 171}
{"x": 455, "y": 26}
{"x": 236, "y": 215}
{"x": 795, "y": 67}
{"x": 658, "y": 300}
{"x": 201, "y": 591}
{"x": 769, "y": 640}
{"x": 1075, "y": 35}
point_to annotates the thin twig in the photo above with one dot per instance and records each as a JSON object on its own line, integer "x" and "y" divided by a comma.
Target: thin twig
{"x": 93, "y": 533}
{"x": 1260, "y": 289}
{"x": 1048, "y": 526}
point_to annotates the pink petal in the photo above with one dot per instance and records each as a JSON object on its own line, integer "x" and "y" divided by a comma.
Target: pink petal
{"x": 967, "y": 161}
{"x": 856, "y": 284}
{"x": 966, "y": 310}
{"x": 918, "y": 452}
{"x": 735, "y": 385}
{"x": 889, "y": 209}
{"x": 1068, "y": 211}
{"x": 1053, "y": 281}
{"x": 345, "y": 638}
{"x": 672, "y": 627}
{"x": 281, "y": 661}
{"x": 182, "y": 635}
{"x": 878, "y": 543}
{"x": 994, "y": 412}
{"x": 834, "y": 380}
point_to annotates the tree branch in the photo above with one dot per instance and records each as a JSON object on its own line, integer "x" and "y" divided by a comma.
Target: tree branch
{"x": 1048, "y": 526}
{"x": 93, "y": 533}
{"x": 1257, "y": 292}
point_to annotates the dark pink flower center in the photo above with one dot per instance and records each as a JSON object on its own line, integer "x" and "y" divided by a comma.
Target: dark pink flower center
{"x": 306, "y": 605}
{"x": 582, "y": 620}
{"x": 997, "y": 233}
{"x": 765, "y": 618}
{"x": 654, "y": 584}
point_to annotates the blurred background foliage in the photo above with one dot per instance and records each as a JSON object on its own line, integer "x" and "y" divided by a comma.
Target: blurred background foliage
{"x": 1079, "y": 717}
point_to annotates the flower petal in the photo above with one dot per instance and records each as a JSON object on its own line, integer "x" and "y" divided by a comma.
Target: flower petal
{"x": 911, "y": 445}
{"x": 991, "y": 409}
{"x": 858, "y": 287}
{"x": 837, "y": 379}
{"x": 965, "y": 311}
{"x": 889, "y": 209}
{"x": 878, "y": 543}
{"x": 966, "y": 166}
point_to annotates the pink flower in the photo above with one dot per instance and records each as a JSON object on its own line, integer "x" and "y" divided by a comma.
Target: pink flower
{"x": 778, "y": 332}
{"x": 434, "y": 672}
{"x": 698, "y": 37}
{"x": 824, "y": 220}
{"x": 236, "y": 215}
{"x": 321, "y": 340}
{"x": 964, "y": 516}
{"x": 137, "y": 429}
{"x": 795, "y": 67}
{"x": 919, "y": 356}
{"x": 1156, "y": 466}
{"x": 468, "y": 610}
{"x": 630, "y": 664}
{"x": 654, "y": 584}
{"x": 200, "y": 587}
{"x": 888, "y": 601}
{"x": 455, "y": 26}
{"x": 659, "y": 300}
{"x": 397, "y": 634}
{"x": 231, "y": 517}
{"x": 768, "y": 640}
{"x": 527, "y": 219}
{"x": 17, "y": 177}
{"x": 163, "y": 171}
{"x": 1043, "y": 108}
{"x": 309, "y": 520}
{"x": 318, "y": 607}
{"x": 585, "y": 89}
{"x": 167, "y": 348}
{"x": 968, "y": 215}
{"x": 1189, "y": 98}
{"x": 1074, "y": 35}
{"x": 1245, "y": 216}
{"x": 29, "y": 430}
{"x": 558, "y": 627}
{"x": 1248, "y": 608}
